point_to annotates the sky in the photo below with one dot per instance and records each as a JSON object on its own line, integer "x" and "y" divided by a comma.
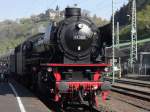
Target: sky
{"x": 15, "y": 9}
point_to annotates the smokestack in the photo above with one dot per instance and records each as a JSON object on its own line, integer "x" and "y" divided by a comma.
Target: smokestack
{"x": 69, "y": 12}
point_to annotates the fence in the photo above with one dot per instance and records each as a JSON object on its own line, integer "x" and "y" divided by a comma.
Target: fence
{"x": 136, "y": 70}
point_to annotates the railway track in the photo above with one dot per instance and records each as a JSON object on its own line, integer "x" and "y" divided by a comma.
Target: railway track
{"x": 74, "y": 108}
{"x": 81, "y": 108}
{"x": 144, "y": 95}
{"x": 134, "y": 88}
{"x": 132, "y": 82}
{"x": 55, "y": 107}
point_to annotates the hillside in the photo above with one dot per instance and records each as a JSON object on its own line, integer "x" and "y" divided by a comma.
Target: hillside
{"x": 14, "y": 32}
{"x": 143, "y": 20}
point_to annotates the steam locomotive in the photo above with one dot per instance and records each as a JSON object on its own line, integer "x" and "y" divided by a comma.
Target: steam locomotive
{"x": 66, "y": 62}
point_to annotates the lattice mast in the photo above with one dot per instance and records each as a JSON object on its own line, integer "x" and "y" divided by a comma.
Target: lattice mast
{"x": 133, "y": 52}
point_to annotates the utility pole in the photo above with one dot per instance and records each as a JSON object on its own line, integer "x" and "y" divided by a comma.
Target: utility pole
{"x": 113, "y": 41}
{"x": 118, "y": 47}
{"x": 118, "y": 39}
{"x": 133, "y": 52}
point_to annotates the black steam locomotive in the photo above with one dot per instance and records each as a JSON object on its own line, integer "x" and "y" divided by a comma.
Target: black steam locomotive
{"x": 67, "y": 61}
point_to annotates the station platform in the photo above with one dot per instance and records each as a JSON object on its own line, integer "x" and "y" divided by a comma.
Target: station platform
{"x": 16, "y": 98}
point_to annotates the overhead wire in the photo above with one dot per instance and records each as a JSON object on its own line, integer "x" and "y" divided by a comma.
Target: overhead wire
{"x": 117, "y": 5}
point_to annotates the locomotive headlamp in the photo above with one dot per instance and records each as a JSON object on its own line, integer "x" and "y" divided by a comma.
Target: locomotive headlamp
{"x": 70, "y": 70}
{"x": 49, "y": 69}
{"x": 95, "y": 87}
{"x": 80, "y": 26}
{"x": 88, "y": 70}
{"x": 106, "y": 69}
